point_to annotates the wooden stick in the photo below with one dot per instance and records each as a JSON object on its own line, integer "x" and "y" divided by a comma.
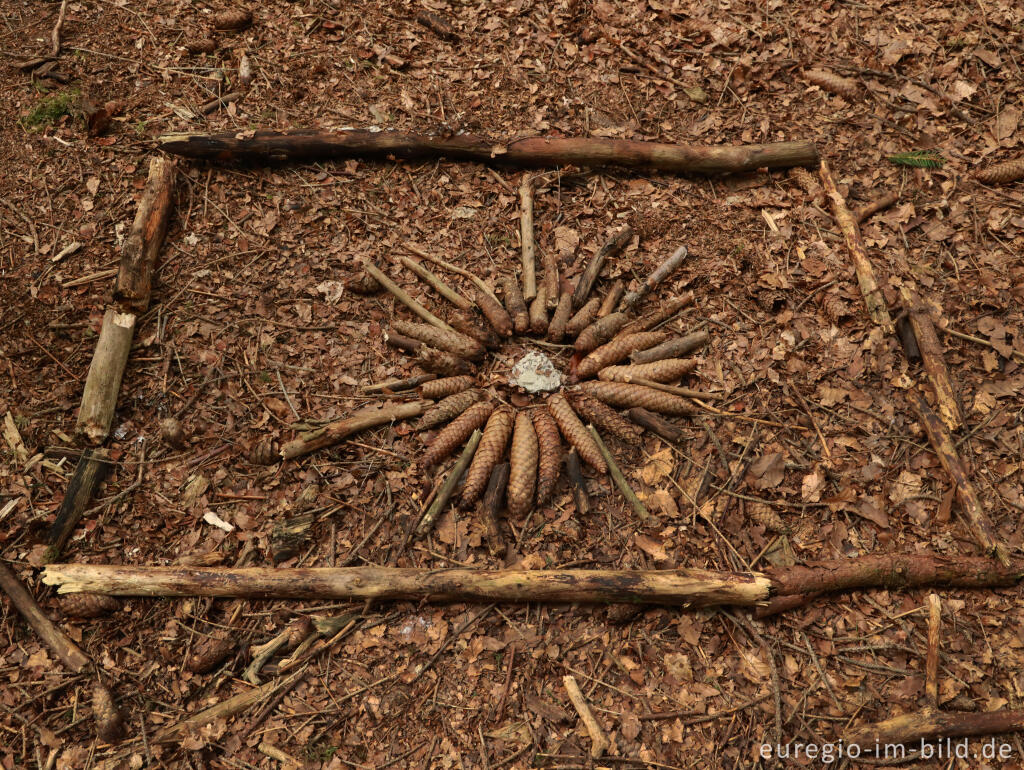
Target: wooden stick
{"x": 930, "y": 348}
{"x": 979, "y": 341}
{"x": 612, "y": 247}
{"x": 527, "y": 245}
{"x": 873, "y": 297}
{"x": 931, "y": 668}
{"x": 142, "y": 246}
{"x": 267, "y": 146}
{"x": 678, "y": 587}
{"x": 103, "y": 383}
{"x": 341, "y": 429}
{"x": 491, "y": 505}
{"x": 400, "y": 342}
{"x": 58, "y": 28}
{"x": 656, "y": 424}
{"x": 91, "y": 469}
{"x": 652, "y": 320}
{"x": 943, "y": 446}
{"x": 928, "y": 725}
{"x": 408, "y": 383}
{"x": 659, "y": 274}
{"x": 619, "y": 478}
{"x": 872, "y": 208}
{"x": 399, "y": 294}
{"x": 611, "y": 299}
{"x": 447, "y": 489}
{"x": 551, "y": 282}
{"x": 69, "y": 653}
{"x": 574, "y": 470}
{"x": 673, "y": 389}
{"x": 440, "y": 286}
{"x": 673, "y": 348}
{"x": 599, "y": 744}
{"x": 474, "y": 279}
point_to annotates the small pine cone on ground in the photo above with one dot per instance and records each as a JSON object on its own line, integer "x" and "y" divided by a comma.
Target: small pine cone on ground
{"x": 550, "y": 454}
{"x": 539, "y": 311}
{"x": 210, "y": 651}
{"x": 488, "y": 454}
{"x": 453, "y": 435}
{"x": 449, "y": 408}
{"x": 442, "y": 362}
{"x": 298, "y": 630}
{"x": 583, "y": 318}
{"x": 452, "y": 342}
{"x": 623, "y": 395}
{"x": 599, "y": 332}
{"x": 1001, "y": 173}
{"x": 666, "y": 370}
{"x": 515, "y": 304}
{"x": 522, "y": 475}
{"x": 475, "y": 327}
{"x": 617, "y": 350}
{"x": 495, "y": 314}
{"x": 834, "y": 308}
{"x": 266, "y": 452}
{"x": 806, "y": 181}
{"x": 87, "y": 605}
{"x": 764, "y": 515}
{"x": 576, "y": 432}
{"x": 446, "y": 386}
{"x": 364, "y": 283}
{"x": 109, "y": 725}
{"x": 833, "y": 83}
{"x": 563, "y": 311}
{"x": 605, "y": 418}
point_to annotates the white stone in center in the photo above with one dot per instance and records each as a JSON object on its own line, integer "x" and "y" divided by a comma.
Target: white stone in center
{"x": 535, "y": 373}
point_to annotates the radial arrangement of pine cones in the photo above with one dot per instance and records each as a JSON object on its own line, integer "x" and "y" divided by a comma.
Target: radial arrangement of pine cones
{"x": 612, "y": 357}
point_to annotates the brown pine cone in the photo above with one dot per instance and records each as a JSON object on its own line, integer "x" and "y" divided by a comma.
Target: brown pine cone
{"x": 622, "y": 394}
{"x": 668, "y": 308}
{"x": 599, "y": 332}
{"x": 457, "y": 344}
{"x": 583, "y": 318}
{"x": 550, "y": 454}
{"x": 233, "y": 19}
{"x": 806, "y": 181}
{"x": 495, "y": 314}
{"x": 210, "y": 652}
{"x": 834, "y": 307}
{"x": 488, "y": 453}
{"x": 605, "y": 418}
{"x": 539, "y": 311}
{"x": 576, "y": 432}
{"x": 474, "y": 327}
{"x": 109, "y": 726}
{"x": 442, "y": 362}
{"x": 833, "y": 83}
{"x": 446, "y": 386}
{"x": 87, "y": 605}
{"x": 563, "y": 310}
{"x": 454, "y": 435}
{"x": 764, "y": 515}
{"x": 266, "y": 452}
{"x": 364, "y": 283}
{"x": 522, "y": 465}
{"x": 616, "y": 350}
{"x": 1001, "y": 173}
{"x": 516, "y": 304}
{"x": 666, "y": 370}
{"x": 449, "y": 408}
{"x": 673, "y": 348}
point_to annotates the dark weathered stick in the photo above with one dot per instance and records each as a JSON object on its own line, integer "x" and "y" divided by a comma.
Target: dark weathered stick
{"x": 398, "y": 385}
{"x": 579, "y": 484}
{"x": 673, "y": 348}
{"x": 142, "y": 246}
{"x": 611, "y": 248}
{"x": 444, "y": 494}
{"x": 491, "y": 505}
{"x": 400, "y": 342}
{"x": 620, "y": 480}
{"x": 659, "y": 274}
{"x": 266, "y": 146}
{"x": 929, "y": 724}
{"x": 611, "y": 299}
{"x": 90, "y": 471}
{"x": 878, "y": 204}
{"x": 656, "y": 424}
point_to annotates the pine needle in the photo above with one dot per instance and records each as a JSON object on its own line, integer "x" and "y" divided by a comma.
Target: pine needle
{"x": 918, "y": 159}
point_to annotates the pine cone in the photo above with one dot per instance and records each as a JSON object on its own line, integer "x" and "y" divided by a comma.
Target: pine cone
{"x": 210, "y": 652}
{"x": 516, "y": 304}
{"x": 1001, "y": 173}
{"x": 474, "y": 327}
{"x": 563, "y": 310}
{"x": 576, "y": 433}
{"x": 442, "y": 362}
{"x": 455, "y": 433}
{"x": 668, "y": 308}
{"x": 539, "y": 311}
{"x": 266, "y": 452}
{"x": 364, "y": 284}
{"x": 446, "y": 386}
{"x": 488, "y": 453}
{"x": 616, "y": 350}
{"x": 622, "y": 394}
{"x": 449, "y": 408}
{"x": 550, "y": 454}
{"x": 452, "y": 342}
{"x": 495, "y": 314}
{"x": 665, "y": 370}
{"x": 673, "y": 348}
{"x": 599, "y": 332}
{"x": 764, "y": 515}
{"x": 806, "y": 181}
{"x": 523, "y": 465}
{"x": 87, "y": 605}
{"x": 109, "y": 727}
{"x": 833, "y": 83}
{"x": 605, "y": 418}
{"x": 233, "y": 19}
{"x": 834, "y": 308}
{"x": 583, "y": 318}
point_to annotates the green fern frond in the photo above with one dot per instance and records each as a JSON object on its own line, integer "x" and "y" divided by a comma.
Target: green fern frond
{"x": 918, "y": 159}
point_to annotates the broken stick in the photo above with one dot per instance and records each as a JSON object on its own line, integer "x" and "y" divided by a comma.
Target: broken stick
{"x": 493, "y": 502}
{"x": 402, "y": 296}
{"x": 599, "y": 744}
{"x": 620, "y": 480}
{"x": 91, "y": 469}
{"x": 612, "y": 247}
{"x": 579, "y": 484}
{"x": 342, "y": 429}
{"x": 440, "y": 286}
{"x": 448, "y": 488}
{"x": 527, "y": 245}
{"x": 873, "y": 297}
{"x": 930, "y": 349}
{"x": 943, "y": 446}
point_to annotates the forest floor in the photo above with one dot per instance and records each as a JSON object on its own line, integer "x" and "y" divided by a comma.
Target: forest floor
{"x": 253, "y": 334}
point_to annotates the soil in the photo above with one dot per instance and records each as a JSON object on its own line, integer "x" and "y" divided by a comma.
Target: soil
{"x": 253, "y": 336}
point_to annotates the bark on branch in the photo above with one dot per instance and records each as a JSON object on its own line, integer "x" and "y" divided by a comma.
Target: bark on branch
{"x": 266, "y": 146}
